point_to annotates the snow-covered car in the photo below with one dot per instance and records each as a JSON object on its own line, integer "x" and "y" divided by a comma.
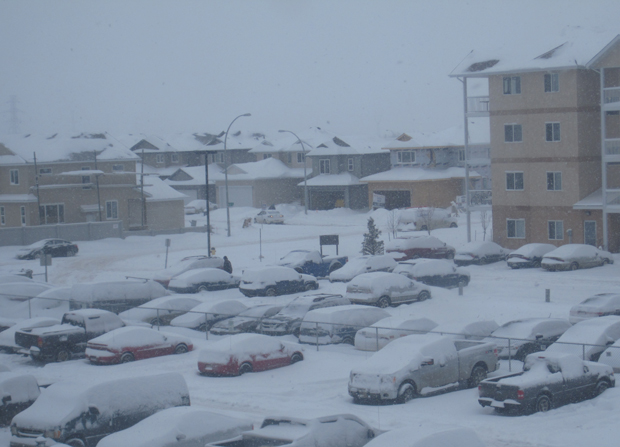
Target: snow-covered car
{"x": 430, "y": 247}
{"x": 244, "y": 353}
{"x": 22, "y": 291}
{"x": 115, "y": 296}
{"x": 189, "y": 263}
{"x": 198, "y": 206}
{"x": 246, "y": 321}
{"x": 476, "y": 330}
{"x": 54, "y": 247}
{"x": 611, "y": 356}
{"x": 201, "y": 280}
{"x": 7, "y": 337}
{"x": 363, "y": 264}
{"x": 311, "y": 262}
{"x": 575, "y": 256}
{"x": 160, "y": 311}
{"x": 424, "y": 219}
{"x": 527, "y": 335}
{"x": 599, "y": 305}
{"x": 588, "y": 338}
{"x": 9, "y": 278}
{"x": 485, "y": 252}
{"x": 178, "y": 426}
{"x": 269, "y": 217}
{"x": 379, "y": 334}
{"x": 17, "y": 392}
{"x": 288, "y": 320}
{"x": 274, "y": 281}
{"x": 384, "y": 289}
{"x": 205, "y": 315}
{"x": 528, "y": 255}
{"x": 434, "y": 272}
{"x": 51, "y": 299}
{"x": 428, "y": 437}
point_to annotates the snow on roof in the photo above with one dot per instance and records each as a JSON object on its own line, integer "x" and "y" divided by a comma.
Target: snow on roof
{"x": 196, "y": 174}
{"x": 595, "y": 201}
{"x": 409, "y": 174}
{"x": 264, "y": 169}
{"x": 157, "y": 190}
{"x": 342, "y": 179}
{"x": 351, "y": 145}
{"x": 150, "y": 143}
{"x": 194, "y": 142}
{"x": 18, "y": 198}
{"x": 162, "y": 172}
{"x": 237, "y": 140}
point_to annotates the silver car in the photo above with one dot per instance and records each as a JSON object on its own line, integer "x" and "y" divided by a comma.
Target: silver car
{"x": 575, "y": 256}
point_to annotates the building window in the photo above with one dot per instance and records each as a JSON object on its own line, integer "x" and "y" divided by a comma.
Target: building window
{"x": 513, "y": 133}
{"x": 461, "y": 154}
{"x": 514, "y": 181}
{"x": 266, "y": 156}
{"x": 2, "y": 216}
{"x": 219, "y": 157}
{"x": 118, "y": 168}
{"x": 14, "y": 176}
{"x": 406, "y": 157}
{"x": 43, "y": 171}
{"x": 350, "y": 164}
{"x": 512, "y": 85}
{"x": 515, "y": 228}
{"x": 556, "y": 230}
{"x": 552, "y": 131}
{"x": 552, "y": 83}
{"x": 554, "y": 181}
{"x": 22, "y": 213}
{"x": 159, "y": 158}
{"x": 86, "y": 178}
{"x": 174, "y": 158}
{"x": 300, "y": 157}
{"x": 111, "y": 209}
{"x": 324, "y": 166}
{"x": 52, "y": 214}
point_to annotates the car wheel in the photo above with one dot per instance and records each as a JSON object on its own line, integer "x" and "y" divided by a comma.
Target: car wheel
{"x": 181, "y": 349}
{"x": 203, "y": 288}
{"x": 348, "y": 340}
{"x": 245, "y": 368}
{"x": 423, "y": 295}
{"x": 478, "y": 374}
{"x": 334, "y": 267}
{"x": 271, "y": 291}
{"x": 543, "y": 403}
{"x": 297, "y": 357}
{"x": 63, "y": 355}
{"x": 127, "y": 357}
{"x": 202, "y": 327}
{"x": 574, "y": 266}
{"x": 384, "y": 302}
{"x": 450, "y": 255}
{"x": 605, "y": 262}
{"x": 71, "y": 252}
{"x": 601, "y": 386}
{"x": 453, "y": 225}
{"x": 298, "y": 270}
{"x": 406, "y": 392}
{"x": 310, "y": 286}
{"x": 76, "y": 442}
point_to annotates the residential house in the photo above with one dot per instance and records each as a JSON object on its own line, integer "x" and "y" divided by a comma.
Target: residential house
{"x": 191, "y": 181}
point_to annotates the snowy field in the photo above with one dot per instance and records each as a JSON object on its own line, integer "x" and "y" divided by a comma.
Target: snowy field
{"x": 318, "y": 385}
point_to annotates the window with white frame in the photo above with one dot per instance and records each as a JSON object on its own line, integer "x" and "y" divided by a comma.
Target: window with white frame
{"x": 43, "y": 171}
{"x": 350, "y": 164}
{"x": 552, "y": 131}
{"x": 514, "y": 181}
{"x": 324, "y": 166}
{"x": 22, "y": 214}
{"x": 86, "y": 178}
{"x": 461, "y": 154}
{"x": 512, "y": 85}
{"x": 515, "y": 228}
{"x": 174, "y": 158}
{"x": 556, "y": 230}
{"x": 52, "y": 213}
{"x": 554, "y": 181}
{"x": 405, "y": 157}
{"x": 111, "y": 209}
{"x": 118, "y": 168}
{"x": 159, "y": 158}
{"x": 14, "y": 176}
{"x": 513, "y": 133}
{"x": 552, "y": 83}
{"x": 2, "y": 216}
{"x": 300, "y": 157}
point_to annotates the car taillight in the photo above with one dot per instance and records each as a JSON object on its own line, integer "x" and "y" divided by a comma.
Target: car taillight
{"x": 40, "y": 342}
{"x": 496, "y": 352}
{"x": 520, "y": 395}
{"x": 479, "y": 389}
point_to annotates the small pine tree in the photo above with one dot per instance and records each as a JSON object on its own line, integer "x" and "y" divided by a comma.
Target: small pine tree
{"x": 372, "y": 245}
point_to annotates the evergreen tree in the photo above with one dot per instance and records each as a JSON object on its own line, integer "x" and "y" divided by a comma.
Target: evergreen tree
{"x": 372, "y": 245}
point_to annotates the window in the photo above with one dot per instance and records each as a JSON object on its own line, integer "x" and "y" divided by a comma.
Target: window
{"x": 515, "y": 228}
{"x": 554, "y": 181}
{"x": 86, "y": 178}
{"x": 552, "y": 83}
{"x": 118, "y": 168}
{"x": 324, "y": 166}
{"x": 22, "y": 213}
{"x": 513, "y": 133}
{"x": 159, "y": 158}
{"x": 552, "y": 131}
{"x": 174, "y": 158}
{"x": 2, "y": 216}
{"x": 300, "y": 157}
{"x": 514, "y": 181}
{"x": 406, "y": 157}
{"x": 14, "y": 176}
{"x": 52, "y": 214}
{"x": 45, "y": 171}
{"x": 556, "y": 230}
{"x": 461, "y": 154}
{"x": 266, "y": 156}
{"x": 350, "y": 164}
{"x": 512, "y": 85}
{"x": 111, "y": 209}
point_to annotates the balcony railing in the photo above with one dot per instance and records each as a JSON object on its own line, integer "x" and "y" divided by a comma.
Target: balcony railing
{"x": 611, "y": 95}
{"x": 612, "y": 146}
{"x": 477, "y": 104}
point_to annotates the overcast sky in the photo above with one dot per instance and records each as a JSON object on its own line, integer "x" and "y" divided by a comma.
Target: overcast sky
{"x": 352, "y": 67}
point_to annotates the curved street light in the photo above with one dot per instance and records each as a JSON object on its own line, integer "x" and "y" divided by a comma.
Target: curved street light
{"x": 305, "y": 176}
{"x": 226, "y": 172}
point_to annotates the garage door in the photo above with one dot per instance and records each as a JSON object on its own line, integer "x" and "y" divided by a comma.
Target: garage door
{"x": 396, "y": 199}
{"x": 237, "y": 195}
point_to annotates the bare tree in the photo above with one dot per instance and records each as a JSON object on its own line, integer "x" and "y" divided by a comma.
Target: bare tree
{"x": 392, "y": 222}
{"x": 426, "y": 219}
{"x": 485, "y": 222}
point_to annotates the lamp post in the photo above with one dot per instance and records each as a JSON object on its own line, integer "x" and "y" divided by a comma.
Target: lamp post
{"x": 226, "y": 172}
{"x": 303, "y": 148}
{"x": 207, "y": 153}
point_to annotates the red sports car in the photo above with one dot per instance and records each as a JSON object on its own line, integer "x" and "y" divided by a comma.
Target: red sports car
{"x": 130, "y": 343}
{"x": 243, "y": 353}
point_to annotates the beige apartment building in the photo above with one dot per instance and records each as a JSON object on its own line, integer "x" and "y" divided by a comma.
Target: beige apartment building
{"x": 554, "y": 119}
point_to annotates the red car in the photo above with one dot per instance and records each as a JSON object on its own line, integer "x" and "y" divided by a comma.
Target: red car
{"x": 419, "y": 247}
{"x": 130, "y": 343}
{"x": 243, "y": 353}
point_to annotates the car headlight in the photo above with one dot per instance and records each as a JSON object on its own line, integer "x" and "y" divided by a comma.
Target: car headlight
{"x": 54, "y": 434}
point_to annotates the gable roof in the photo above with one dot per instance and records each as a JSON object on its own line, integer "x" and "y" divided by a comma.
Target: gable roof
{"x": 352, "y": 145}
{"x": 195, "y": 175}
{"x": 269, "y": 168}
{"x": 450, "y": 137}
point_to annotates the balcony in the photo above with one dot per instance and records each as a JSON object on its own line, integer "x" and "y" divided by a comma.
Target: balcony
{"x": 611, "y": 98}
{"x": 612, "y": 150}
{"x": 477, "y": 106}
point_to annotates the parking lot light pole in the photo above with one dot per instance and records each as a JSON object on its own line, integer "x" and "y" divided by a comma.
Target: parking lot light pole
{"x": 226, "y": 172}
{"x": 303, "y": 149}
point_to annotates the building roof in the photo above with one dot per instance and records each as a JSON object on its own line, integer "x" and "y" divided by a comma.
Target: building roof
{"x": 156, "y": 190}
{"x": 351, "y": 145}
{"x": 411, "y": 174}
{"x": 269, "y": 168}
{"x": 450, "y": 137}
{"x": 195, "y": 175}
{"x": 342, "y": 179}
{"x": 287, "y": 142}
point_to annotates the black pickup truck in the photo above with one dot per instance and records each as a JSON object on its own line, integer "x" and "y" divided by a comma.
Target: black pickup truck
{"x": 62, "y": 341}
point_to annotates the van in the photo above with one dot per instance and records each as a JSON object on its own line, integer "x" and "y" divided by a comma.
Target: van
{"x": 80, "y": 413}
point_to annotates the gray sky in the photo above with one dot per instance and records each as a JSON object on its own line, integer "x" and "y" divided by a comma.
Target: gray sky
{"x": 352, "y": 67}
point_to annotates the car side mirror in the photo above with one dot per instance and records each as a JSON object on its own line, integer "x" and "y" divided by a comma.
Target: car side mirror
{"x": 94, "y": 411}
{"x": 427, "y": 362}
{"x": 6, "y": 399}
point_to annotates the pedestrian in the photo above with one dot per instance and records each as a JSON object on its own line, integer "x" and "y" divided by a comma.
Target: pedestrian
{"x": 227, "y": 265}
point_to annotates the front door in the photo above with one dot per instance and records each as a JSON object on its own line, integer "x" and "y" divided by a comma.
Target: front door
{"x": 589, "y": 232}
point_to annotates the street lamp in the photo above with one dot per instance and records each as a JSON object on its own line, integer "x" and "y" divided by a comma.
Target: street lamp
{"x": 226, "y": 172}
{"x": 305, "y": 176}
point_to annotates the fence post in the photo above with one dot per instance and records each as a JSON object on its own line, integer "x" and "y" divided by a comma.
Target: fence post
{"x": 206, "y": 328}
{"x": 460, "y": 288}
{"x": 509, "y": 358}
{"x": 317, "y": 335}
{"x": 29, "y": 308}
{"x": 583, "y": 351}
{"x": 158, "y": 319}
{"x": 547, "y": 295}
{"x": 377, "y": 337}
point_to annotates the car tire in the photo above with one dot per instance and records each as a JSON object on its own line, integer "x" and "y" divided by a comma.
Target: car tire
{"x": 203, "y": 288}
{"x": 384, "y": 302}
{"x": 601, "y": 387}
{"x": 450, "y": 255}
{"x": 310, "y": 286}
{"x": 296, "y": 357}
{"x": 423, "y": 295}
{"x": 71, "y": 252}
{"x": 245, "y": 368}
{"x": 453, "y": 225}
{"x": 335, "y": 266}
{"x": 478, "y": 374}
{"x": 62, "y": 355}
{"x": 76, "y": 442}
{"x": 157, "y": 322}
{"x": 271, "y": 291}
{"x": 127, "y": 357}
{"x": 37, "y": 255}
{"x": 605, "y": 262}
{"x": 406, "y": 392}
{"x": 574, "y": 266}
{"x": 348, "y": 340}
{"x": 543, "y": 403}
{"x": 202, "y": 327}
{"x": 181, "y": 349}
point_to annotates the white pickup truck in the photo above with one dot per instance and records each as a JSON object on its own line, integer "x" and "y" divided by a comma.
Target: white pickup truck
{"x": 422, "y": 364}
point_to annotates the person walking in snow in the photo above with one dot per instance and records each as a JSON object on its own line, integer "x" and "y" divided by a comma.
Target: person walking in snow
{"x": 227, "y": 265}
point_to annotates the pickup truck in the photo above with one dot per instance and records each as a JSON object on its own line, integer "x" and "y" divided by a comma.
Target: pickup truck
{"x": 548, "y": 380}
{"x": 312, "y": 263}
{"x": 62, "y": 341}
{"x": 421, "y": 364}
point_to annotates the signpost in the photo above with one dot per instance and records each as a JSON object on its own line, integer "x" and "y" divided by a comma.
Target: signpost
{"x": 329, "y": 239}
{"x": 46, "y": 259}
{"x": 168, "y": 246}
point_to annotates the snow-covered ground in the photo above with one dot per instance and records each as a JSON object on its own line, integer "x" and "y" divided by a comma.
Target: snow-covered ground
{"x": 318, "y": 385}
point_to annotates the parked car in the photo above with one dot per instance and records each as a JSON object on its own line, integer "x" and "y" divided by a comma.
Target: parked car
{"x": 205, "y": 315}
{"x": 611, "y": 356}
{"x": 160, "y": 311}
{"x": 424, "y": 219}
{"x": 386, "y": 330}
{"x": 54, "y": 247}
{"x": 202, "y": 280}
{"x": 80, "y": 413}
{"x": 178, "y": 426}
{"x": 23, "y": 291}
{"x": 17, "y": 391}
{"x": 417, "y": 364}
{"x": 7, "y": 337}
{"x": 115, "y": 296}
{"x": 246, "y": 321}
{"x": 599, "y": 305}
{"x": 311, "y": 262}
{"x": 427, "y": 437}
{"x": 527, "y": 336}
{"x": 434, "y": 272}
{"x": 130, "y": 343}
{"x": 476, "y": 330}
{"x": 575, "y": 256}
{"x": 11, "y": 277}
{"x": 244, "y": 353}
{"x": 198, "y": 206}
{"x": 338, "y": 324}
{"x": 269, "y": 217}
{"x": 188, "y": 263}
{"x": 419, "y": 247}
{"x": 329, "y": 431}
{"x": 273, "y": 281}
{"x": 384, "y": 289}
{"x": 480, "y": 253}
{"x": 528, "y": 255}
{"x": 546, "y": 382}
{"x": 363, "y": 264}
{"x": 588, "y": 338}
